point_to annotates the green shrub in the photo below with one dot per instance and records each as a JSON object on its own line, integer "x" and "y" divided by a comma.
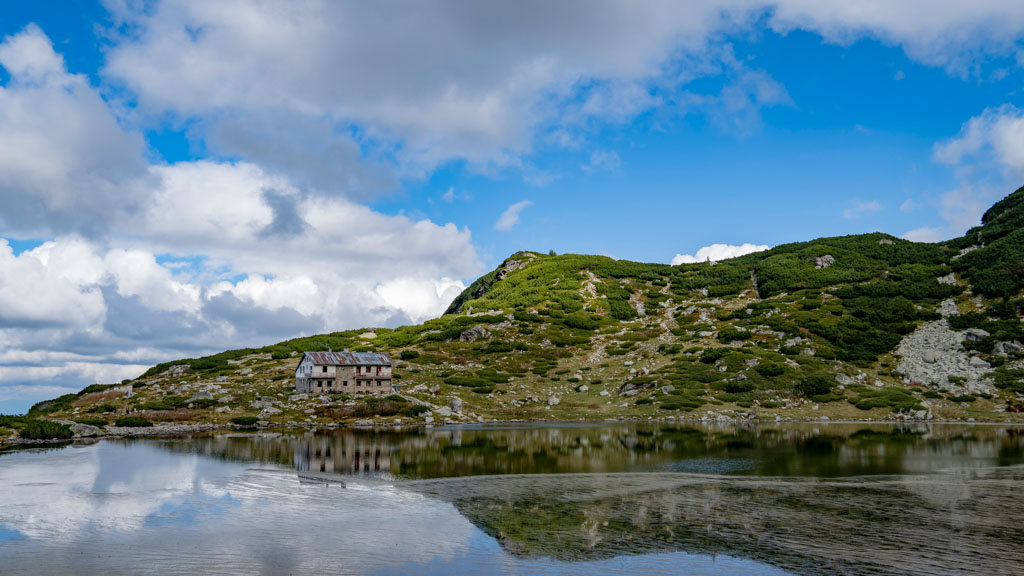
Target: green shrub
{"x": 92, "y": 421}
{"x": 730, "y": 334}
{"x": 814, "y": 386}
{"x": 712, "y": 355}
{"x": 483, "y": 390}
{"x": 44, "y": 430}
{"x": 245, "y": 420}
{"x": 737, "y": 387}
{"x": 395, "y": 398}
{"x": 414, "y": 409}
{"x": 769, "y": 369}
{"x": 895, "y": 398}
{"x": 133, "y": 422}
{"x": 409, "y": 354}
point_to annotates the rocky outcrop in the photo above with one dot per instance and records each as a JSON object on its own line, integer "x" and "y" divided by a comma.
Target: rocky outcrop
{"x": 473, "y": 334}
{"x": 934, "y": 355}
{"x": 824, "y": 261}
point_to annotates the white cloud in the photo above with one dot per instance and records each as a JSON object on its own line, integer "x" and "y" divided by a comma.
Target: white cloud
{"x": 510, "y": 217}
{"x": 602, "y": 161}
{"x": 716, "y": 252}
{"x": 924, "y": 235}
{"x": 996, "y": 137}
{"x": 449, "y": 196}
{"x": 860, "y": 209}
{"x": 65, "y": 163}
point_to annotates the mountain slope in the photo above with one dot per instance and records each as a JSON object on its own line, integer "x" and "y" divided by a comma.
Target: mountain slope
{"x": 802, "y": 330}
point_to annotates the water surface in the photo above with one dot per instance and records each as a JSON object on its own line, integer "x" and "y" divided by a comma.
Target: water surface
{"x": 529, "y": 499}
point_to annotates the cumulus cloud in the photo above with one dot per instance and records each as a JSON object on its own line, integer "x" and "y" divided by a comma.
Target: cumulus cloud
{"x": 65, "y": 163}
{"x": 510, "y": 217}
{"x": 716, "y": 252}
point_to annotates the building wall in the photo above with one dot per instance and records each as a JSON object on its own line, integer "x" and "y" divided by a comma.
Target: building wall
{"x": 345, "y": 379}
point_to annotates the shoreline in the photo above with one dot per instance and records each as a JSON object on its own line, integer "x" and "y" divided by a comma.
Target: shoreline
{"x": 158, "y": 431}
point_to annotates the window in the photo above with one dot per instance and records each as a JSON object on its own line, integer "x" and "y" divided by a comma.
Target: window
{"x": 344, "y": 382}
{"x": 359, "y": 383}
{"x": 319, "y": 384}
{"x": 325, "y": 369}
{"x": 378, "y": 370}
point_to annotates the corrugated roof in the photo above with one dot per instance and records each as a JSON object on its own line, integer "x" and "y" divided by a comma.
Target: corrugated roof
{"x": 349, "y": 358}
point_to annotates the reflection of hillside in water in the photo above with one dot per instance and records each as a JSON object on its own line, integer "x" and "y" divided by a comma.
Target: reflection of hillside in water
{"x": 963, "y": 522}
{"x": 814, "y": 499}
{"x": 834, "y": 450}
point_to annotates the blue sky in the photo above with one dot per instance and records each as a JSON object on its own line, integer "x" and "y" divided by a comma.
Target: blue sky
{"x": 181, "y": 177}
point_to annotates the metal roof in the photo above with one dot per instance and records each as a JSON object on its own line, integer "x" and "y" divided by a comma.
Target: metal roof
{"x": 349, "y": 358}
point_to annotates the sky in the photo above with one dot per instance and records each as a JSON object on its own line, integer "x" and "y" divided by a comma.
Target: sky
{"x": 182, "y": 177}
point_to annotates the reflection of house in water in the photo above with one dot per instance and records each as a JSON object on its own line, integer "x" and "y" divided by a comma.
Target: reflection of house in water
{"x": 342, "y": 454}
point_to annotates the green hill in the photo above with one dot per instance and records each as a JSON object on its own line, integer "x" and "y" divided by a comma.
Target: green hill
{"x": 835, "y": 326}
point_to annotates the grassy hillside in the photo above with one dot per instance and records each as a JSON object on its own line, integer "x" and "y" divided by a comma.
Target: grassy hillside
{"x": 801, "y": 330}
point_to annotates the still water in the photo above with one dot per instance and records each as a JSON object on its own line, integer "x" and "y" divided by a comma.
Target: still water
{"x": 532, "y": 499}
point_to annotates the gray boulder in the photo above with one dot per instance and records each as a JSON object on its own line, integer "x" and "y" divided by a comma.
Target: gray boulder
{"x": 201, "y": 395}
{"x": 456, "y": 405}
{"x": 1008, "y": 348}
{"x": 85, "y": 430}
{"x": 975, "y": 334}
{"x": 824, "y": 261}
{"x": 473, "y": 334}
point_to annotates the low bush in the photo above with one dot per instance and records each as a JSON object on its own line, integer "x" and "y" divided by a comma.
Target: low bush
{"x": 133, "y": 422}
{"x": 814, "y": 386}
{"x": 34, "y": 429}
{"x": 92, "y": 421}
{"x": 769, "y": 369}
{"x": 245, "y": 420}
{"x": 409, "y": 355}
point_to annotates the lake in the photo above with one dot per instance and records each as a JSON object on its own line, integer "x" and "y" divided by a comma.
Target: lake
{"x": 595, "y": 498}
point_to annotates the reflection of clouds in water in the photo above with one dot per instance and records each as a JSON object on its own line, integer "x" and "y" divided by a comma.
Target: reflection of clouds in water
{"x": 136, "y": 507}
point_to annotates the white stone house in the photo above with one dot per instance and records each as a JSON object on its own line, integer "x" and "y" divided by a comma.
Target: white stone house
{"x": 344, "y": 373}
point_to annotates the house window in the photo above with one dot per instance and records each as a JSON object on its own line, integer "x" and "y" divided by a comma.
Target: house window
{"x": 319, "y": 384}
{"x": 378, "y": 370}
{"x": 344, "y": 382}
{"x": 358, "y": 383}
{"x": 325, "y": 369}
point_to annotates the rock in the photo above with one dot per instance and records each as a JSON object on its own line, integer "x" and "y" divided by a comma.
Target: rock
{"x": 428, "y": 418}
{"x": 297, "y": 397}
{"x": 807, "y": 352}
{"x": 667, "y": 389}
{"x": 222, "y": 409}
{"x": 443, "y": 412}
{"x": 948, "y": 279}
{"x": 226, "y": 399}
{"x": 824, "y": 261}
{"x": 201, "y": 395}
{"x": 977, "y": 362}
{"x": 930, "y": 357}
{"x": 473, "y": 334}
{"x": 85, "y": 430}
{"x": 604, "y": 393}
{"x": 177, "y": 370}
{"x": 456, "y": 405}
{"x": 584, "y": 388}
{"x": 244, "y": 372}
{"x": 723, "y": 368}
{"x": 364, "y": 422}
{"x": 554, "y": 400}
{"x": 434, "y": 389}
{"x": 752, "y": 362}
{"x": 705, "y": 334}
{"x": 948, "y": 308}
{"x": 628, "y": 363}
{"x": 631, "y": 392}
{"x": 260, "y": 405}
{"x": 269, "y": 412}
{"x": 1008, "y": 348}
{"x": 885, "y": 241}
{"x": 975, "y": 334}
{"x": 740, "y": 377}
{"x": 844, "y": 379}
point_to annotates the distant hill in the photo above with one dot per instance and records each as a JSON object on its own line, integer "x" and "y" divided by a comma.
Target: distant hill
{"x": 864, "y": 326}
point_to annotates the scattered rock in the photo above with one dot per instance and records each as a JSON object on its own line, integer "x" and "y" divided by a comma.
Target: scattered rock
{"x": 84, "y": 430}
{"x": 443, "y": 412}
{"x": 456, "y": 405}
{"x": 752, "y": 362}
{"x": 844, "y": 379}
{"x": 885, "y": 241}
{"x": 473, "y": 334}
{"x": 824, "y": 261}
{"x": 1008, "y": 348}
{"x": 584, "y": 388}
{"x": 667, "y": 389}
{"x": 628, "y": 363}
{"x": 554, "y": 400}
{"x": 269, "y": 412}
{"x": 604, "y": 393}
{"x": 948, "y": 279}
{"x": 975, "y": 334}
{"x": 201, "y": 395}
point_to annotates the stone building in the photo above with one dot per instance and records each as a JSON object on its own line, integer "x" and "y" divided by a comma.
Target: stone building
{"x": 344, "y": 373}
